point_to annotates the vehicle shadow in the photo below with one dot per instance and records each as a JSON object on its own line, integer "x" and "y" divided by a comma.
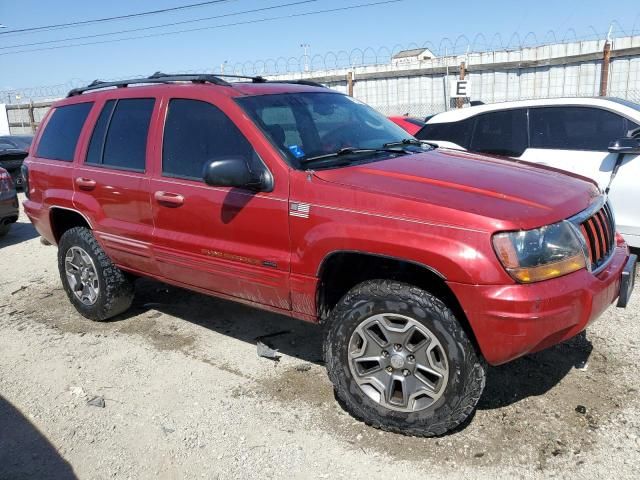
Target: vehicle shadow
{"x": 24, "y": 451}
{"x": 532, "y": 375}
{"x": 20, "y": 232}
{"x": 289, "y": 336}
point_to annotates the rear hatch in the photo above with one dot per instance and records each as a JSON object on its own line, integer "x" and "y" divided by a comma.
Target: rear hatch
{"x": 11, "y": 160}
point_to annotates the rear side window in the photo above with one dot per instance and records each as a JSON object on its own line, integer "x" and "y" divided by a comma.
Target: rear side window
{"x": 119, "y": 138}
{"x": 575, "y": 128}
{"x": 60, "y": 136}
{"x": 94, "y": 154}
{"x": 197, "y": 132}
{"x": 454, "y": 132}
{"x": 501, "y": 133}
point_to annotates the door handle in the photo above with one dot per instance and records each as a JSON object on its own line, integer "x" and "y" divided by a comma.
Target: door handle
{"x": 85, "y": 183}
{"x": 167, "y": 199}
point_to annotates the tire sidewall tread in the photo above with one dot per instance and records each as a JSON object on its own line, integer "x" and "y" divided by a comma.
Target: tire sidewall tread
{"x": 116, "y": 289}
{"x": 467, "y": 369}
{"x": 4, "y": 229}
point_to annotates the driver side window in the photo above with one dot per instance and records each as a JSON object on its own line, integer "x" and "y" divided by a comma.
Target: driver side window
{"x": 197, "y": 132}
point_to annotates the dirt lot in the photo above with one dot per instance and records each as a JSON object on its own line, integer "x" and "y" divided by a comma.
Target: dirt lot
{"x": 186, "y": 396}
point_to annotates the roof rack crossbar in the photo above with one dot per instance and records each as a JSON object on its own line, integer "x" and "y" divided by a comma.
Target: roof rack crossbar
{"x": 309, "y": 83}
{"x": 160, "y": 77}
{"x": 155, "y": 78}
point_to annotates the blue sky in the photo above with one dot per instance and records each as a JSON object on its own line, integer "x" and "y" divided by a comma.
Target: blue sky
{"x": 384, "y": 25}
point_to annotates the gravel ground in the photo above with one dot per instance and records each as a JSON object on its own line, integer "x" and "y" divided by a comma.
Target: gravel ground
{"x": 186, "y": 396}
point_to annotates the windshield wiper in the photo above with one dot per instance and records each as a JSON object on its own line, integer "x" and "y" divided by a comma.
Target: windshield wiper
{"x": 409, "y": 141}
{"x": 350, "y": 150}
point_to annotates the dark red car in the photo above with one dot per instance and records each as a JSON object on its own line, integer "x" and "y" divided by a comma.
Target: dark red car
{"x": 8, "y": 202}
{"x": 424, "y": 265}
{"x": 410, "y": 124}
{"x": 13, "y": 150}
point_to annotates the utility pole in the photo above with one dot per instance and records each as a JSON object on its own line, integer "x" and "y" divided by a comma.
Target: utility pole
{"x": 32, "y": 120}
{"x": 350, "y": 83}
{"x": 606, "y": 60}
{"x": 463, "y": 72}
{"x": 306, "y": 47}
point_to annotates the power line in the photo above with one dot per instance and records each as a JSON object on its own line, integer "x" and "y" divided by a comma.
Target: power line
{"x": 173, "y": 24}
{"x": 213, "y": 27}
{"x": 109, "y": 19}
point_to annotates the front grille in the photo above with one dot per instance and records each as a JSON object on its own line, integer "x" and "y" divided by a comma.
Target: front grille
{"x": 599, "y": 232}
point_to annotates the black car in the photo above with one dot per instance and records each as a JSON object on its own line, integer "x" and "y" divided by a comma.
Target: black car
{"x": 8, "y": 202}
{"x": 13, "y": 150}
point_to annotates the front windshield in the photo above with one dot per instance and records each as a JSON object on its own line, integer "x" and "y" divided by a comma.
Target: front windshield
{"x": 309, "y": 125}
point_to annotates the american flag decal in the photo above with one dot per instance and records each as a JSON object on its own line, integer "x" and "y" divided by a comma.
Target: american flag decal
{"x": 299, "y": 209}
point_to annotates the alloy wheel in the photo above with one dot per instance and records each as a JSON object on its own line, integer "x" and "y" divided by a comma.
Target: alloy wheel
{"x": 82, "y": 275}
{"x": 398, "y": 362}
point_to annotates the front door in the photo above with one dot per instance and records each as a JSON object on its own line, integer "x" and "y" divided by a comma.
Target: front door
{"x": 229, "y": 241}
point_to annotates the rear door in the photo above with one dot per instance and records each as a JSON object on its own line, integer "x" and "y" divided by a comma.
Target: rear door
{"x": 111, "y": 182}
{"x": 575, "y": 139}
{"x": 227, "y": 241}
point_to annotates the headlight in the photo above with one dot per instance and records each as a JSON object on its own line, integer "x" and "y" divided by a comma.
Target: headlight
{"x": 540, "y": 254}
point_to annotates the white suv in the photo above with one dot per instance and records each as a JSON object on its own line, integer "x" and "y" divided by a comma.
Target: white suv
{"x": 572, "y": 134}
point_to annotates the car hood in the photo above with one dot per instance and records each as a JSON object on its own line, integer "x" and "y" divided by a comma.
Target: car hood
{"x": 514, "y": 194}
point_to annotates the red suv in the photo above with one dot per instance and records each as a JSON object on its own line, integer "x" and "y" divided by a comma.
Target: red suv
{"x": 424, "y": 265}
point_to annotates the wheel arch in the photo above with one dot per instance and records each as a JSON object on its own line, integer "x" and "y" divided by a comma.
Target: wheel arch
{"x": 62, "y": 219}
{"x": 342, "y": 270}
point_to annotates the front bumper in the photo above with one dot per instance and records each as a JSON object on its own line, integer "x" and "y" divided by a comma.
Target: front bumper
{"x": 512, "y": 320}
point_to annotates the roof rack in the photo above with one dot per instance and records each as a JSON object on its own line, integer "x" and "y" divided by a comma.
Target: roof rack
{"x": 160, "y": 77}
{"x": 300, "y": 82}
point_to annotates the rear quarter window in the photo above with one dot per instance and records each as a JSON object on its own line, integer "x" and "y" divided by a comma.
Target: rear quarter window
{"x": 454, "y": 132}
{"x": 60, "y": 136}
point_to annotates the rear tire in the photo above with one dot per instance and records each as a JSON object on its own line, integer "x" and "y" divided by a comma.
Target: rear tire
{"x": 4, "y": 229}
{"x": 95, "y": 286}
{"x": 400, "y": 361}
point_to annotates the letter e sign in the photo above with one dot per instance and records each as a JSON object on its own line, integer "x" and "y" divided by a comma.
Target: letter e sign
{"x": 460, "y": 88}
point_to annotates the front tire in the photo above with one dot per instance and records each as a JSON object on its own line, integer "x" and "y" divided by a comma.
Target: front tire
{"x": 95, "y": 286}
{"x": 400, "y": 361}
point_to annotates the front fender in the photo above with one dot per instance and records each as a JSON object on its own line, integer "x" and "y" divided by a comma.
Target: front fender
{"x": 455, "y": 253}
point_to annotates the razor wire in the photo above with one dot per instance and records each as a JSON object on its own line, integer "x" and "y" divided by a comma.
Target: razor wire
{"x": 332, "y": 63}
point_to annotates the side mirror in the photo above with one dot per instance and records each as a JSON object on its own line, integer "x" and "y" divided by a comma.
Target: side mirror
{"x": 234, "y": 172}
{"x": 625, "y": 145}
